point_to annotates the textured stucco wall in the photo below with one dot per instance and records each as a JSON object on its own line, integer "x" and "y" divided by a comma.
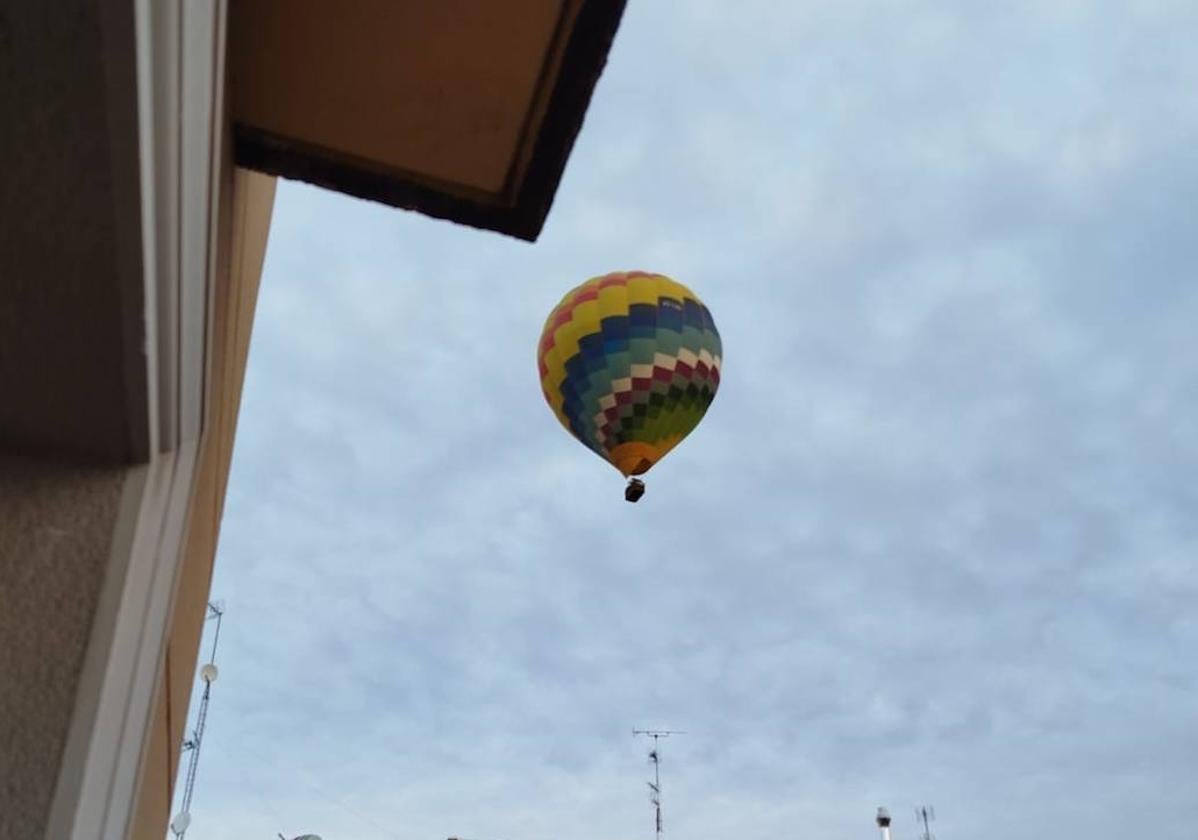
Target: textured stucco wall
{"x": 56, "y": 527}
{"x": 71, "y": 320}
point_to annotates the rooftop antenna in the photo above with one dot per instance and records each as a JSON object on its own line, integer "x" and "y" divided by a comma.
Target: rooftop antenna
{"x": 655, "y": 760}
{"x": 884, "y": 823}
{"x": 208, "y": 674}
{"x": 926, "y": 814}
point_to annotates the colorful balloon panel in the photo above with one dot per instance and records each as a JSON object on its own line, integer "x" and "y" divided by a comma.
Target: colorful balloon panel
{"x": 629, "y": 363}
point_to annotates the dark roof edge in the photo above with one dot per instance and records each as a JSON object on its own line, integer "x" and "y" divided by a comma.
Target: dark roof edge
{"x": 582, "y": 64}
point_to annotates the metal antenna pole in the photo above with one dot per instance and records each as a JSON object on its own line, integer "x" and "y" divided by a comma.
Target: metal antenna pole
{"x": 655, "y": 760}
{"x": 883, "y": 821}
{"x": 208, "y": 674}
{"x": 217, "y": 611}
{"x": 926, "y": 814}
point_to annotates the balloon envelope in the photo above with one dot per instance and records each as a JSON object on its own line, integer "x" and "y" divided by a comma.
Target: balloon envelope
{"x": 629, "y": 363}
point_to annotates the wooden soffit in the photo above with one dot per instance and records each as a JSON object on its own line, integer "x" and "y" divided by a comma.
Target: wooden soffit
{"x": 461, "y": 109}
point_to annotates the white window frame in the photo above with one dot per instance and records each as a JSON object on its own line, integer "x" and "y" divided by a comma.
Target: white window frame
{"x": 181, "y": 132}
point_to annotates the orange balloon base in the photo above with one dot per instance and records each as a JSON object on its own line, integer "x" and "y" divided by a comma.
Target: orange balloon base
{"x": 634, "y": 457}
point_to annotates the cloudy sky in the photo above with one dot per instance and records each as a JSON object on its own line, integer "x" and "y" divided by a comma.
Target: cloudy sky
{"x": 934, "y": 542}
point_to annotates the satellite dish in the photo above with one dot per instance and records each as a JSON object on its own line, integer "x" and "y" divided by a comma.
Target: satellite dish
{"x": 180, "y": 823}
{"x": 209, "y": 673}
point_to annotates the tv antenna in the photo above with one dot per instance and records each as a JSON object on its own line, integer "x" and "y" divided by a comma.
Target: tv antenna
{"x": 925, "y": 814}
{"x": 208, "y": 674}
{"x": 883, "y": 821}
{"x": 655, "y": 760}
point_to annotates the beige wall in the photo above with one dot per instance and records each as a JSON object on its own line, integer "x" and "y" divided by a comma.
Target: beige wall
{"x": 56, "y": 531}
{"x": 245, "y": 222}
{"x": 58, "y": 526}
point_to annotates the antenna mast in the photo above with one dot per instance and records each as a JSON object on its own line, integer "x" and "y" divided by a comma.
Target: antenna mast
{"x": 883, "y": 821}
{"x": 925, "y": 814}
{"x": 208, "y": 674}
{"x": 655, "y": 760}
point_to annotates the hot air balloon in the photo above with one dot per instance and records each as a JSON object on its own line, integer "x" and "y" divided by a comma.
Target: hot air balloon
{"x": 629, "y": 363}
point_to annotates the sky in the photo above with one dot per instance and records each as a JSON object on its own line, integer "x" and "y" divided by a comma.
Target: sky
{"x": 934, "y": 542}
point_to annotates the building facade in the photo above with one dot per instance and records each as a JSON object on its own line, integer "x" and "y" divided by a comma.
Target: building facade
{"x": 141, "y": 142}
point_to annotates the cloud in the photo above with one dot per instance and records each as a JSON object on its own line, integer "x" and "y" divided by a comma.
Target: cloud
{"x": 933, "y": 542}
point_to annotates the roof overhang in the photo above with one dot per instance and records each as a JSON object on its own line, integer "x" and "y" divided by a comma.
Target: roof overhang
{"x": 461, "y": 109}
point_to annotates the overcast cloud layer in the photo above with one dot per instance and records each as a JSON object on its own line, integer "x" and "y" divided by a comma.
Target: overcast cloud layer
{"x": 934, "y": 542}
